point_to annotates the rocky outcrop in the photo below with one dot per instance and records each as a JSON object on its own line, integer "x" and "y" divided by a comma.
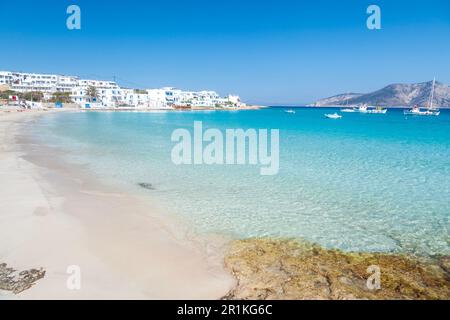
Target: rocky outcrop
{"x": 18, "y": 281}
{"x": 288, "y": 269}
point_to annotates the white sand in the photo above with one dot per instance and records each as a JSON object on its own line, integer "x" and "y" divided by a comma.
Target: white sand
{"x": 53, "y": 216}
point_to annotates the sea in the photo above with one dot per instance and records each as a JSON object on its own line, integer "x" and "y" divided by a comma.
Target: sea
{"x": 365, "y": 182}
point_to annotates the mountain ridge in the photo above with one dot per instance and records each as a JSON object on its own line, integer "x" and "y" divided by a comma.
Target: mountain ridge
{"x": 394, "y": 95}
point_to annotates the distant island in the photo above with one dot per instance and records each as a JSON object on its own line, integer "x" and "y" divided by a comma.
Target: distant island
{"x": 394, "y": 95}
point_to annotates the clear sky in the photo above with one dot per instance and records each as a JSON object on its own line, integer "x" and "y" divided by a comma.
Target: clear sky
{"x": 271, "y": 52}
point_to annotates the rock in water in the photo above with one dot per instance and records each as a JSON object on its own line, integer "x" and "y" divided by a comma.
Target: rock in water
{"x": 15, "y": 281}
{"x": 288, "y": 269}
{"x": 146, "y": 185}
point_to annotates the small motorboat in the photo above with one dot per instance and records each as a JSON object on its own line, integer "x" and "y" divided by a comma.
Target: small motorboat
{"x": 290, "y": 111}
{"x": 362, "y": 108}
{"x": 365, "y": 109}
{"x": 333, "y": 116}
{"x": 377, "y": 110}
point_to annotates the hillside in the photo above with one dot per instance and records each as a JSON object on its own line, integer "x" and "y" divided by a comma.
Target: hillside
{"x": 394, "y": 95}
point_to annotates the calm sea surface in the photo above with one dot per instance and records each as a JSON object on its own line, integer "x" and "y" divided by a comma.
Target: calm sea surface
{"x": 364, "y": 182}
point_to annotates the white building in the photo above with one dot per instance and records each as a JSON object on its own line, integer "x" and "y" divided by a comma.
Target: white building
{"x": 172, "y": 95}
{"x": 136, "y": 98}
{"x": 110, "y": 95}
{"x": 235, "y": 100}
{"x": 164, "y": 97}
{"x": 5, "y": 78}
{"x": 106, "y": 97}
{"x": 52, "y": 83}
{"x": 66, "y": 83}
{"x": 26, "y": 82}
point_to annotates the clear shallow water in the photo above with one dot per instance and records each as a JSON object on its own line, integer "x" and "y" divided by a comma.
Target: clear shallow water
{"x": 364, "y": 183}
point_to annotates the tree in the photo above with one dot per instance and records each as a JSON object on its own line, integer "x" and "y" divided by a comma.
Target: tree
{"x": 91, "y": 93}
{"x": 63, "y": 97}
{"x": 36, "y": 96}
{"x": 6, "y": 94}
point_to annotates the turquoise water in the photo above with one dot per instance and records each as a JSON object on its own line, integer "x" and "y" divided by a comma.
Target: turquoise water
{"x": 364, "y": 182}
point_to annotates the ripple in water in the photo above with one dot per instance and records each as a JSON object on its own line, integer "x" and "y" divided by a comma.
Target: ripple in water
{"x": 363, "y": 183}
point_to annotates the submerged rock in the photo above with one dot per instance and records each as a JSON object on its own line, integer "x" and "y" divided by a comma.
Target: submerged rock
{"x": 291, "y": 269}
{"x": 15, "y": 281}
{"x": 146, "y": 185}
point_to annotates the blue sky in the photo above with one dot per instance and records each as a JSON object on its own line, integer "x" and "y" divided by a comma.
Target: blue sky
{"x": 271, "y": 52}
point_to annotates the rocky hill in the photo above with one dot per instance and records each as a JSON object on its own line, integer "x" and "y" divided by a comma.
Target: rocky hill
{"x": 394, "y": 95}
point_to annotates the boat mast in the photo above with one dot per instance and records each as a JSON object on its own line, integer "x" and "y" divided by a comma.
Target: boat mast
{"x": 432, "y": 94}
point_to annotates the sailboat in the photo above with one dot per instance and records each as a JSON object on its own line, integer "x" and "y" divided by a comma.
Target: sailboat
{"x": 430, "y": 111}
{"x": 347, "y": 109}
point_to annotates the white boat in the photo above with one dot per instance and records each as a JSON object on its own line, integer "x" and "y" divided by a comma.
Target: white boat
{"x": 333, "y": 116}
{"x": 362, "y": 108}
{"x": 417, "y": 111}
{"x": 377, "y": 110}
{"x": 430, "y": 111}
{"x": 289, "y": 111}
{"x": 365, "y": 109}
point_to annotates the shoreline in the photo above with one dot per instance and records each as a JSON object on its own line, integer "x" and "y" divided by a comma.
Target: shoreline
{"x": 57, "y": 216}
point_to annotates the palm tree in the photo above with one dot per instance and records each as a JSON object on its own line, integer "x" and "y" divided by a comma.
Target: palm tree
{"x": 91, "y": 93}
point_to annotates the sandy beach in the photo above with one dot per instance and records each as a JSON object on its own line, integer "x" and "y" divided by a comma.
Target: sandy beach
{"x": 54, "y": 216}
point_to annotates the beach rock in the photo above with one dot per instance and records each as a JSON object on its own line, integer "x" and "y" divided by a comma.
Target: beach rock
{"x": 444, "y": 262}
{"x": 291, "y": 269}
{"x": 18, "y": 281}
{"x": 146, "y": 185}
